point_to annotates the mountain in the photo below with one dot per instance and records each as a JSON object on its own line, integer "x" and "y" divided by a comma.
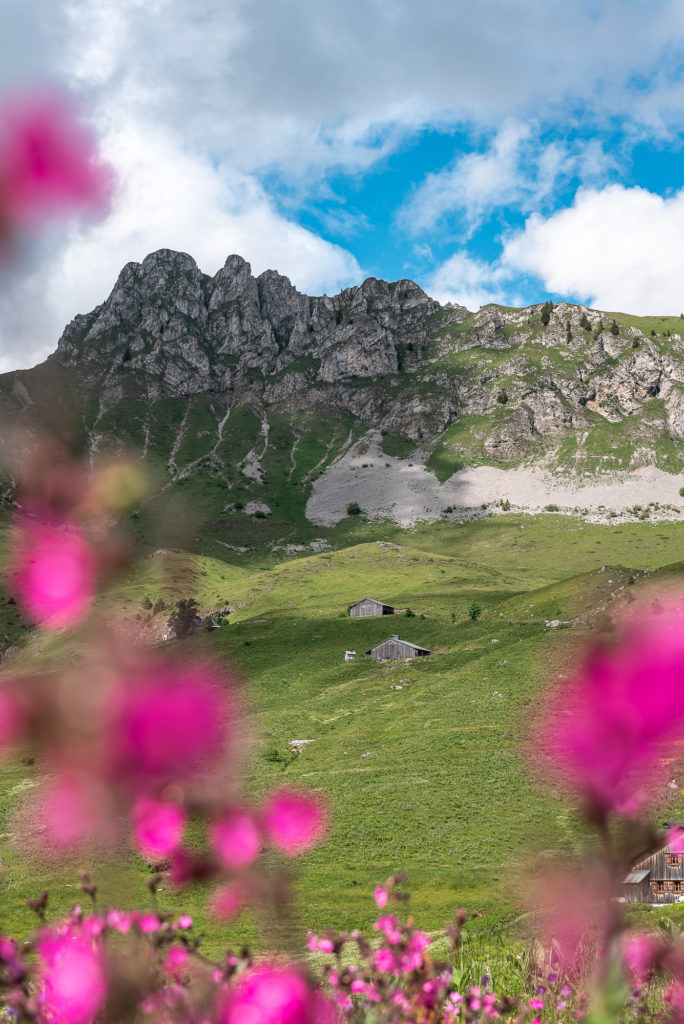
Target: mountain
{"x": 267, "y": 404}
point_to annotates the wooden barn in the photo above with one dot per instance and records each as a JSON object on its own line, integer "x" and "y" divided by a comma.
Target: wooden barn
{"x": 369, "y": 606}
{"x": 658, "y": 878}
{"x": 393, "y": 647}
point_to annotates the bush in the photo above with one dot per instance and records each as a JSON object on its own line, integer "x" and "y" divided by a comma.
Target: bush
{"x": 584, "y": 322}
{"x": 681, "y": 492}
{"x": 353, "y": 508}
{"x": 474, "y": 611}
{"x": 551, "y": 508}
{"x": 614, "y": 329}
{"x": 502, "y": 397}
{"x": 146, "y": 603}
{"x": 409, "y": 613}
{"x": 505, "y": 505}
{"x": 159, "y": 606}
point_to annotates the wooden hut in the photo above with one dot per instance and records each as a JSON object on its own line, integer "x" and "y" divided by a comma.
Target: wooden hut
{"x": 393, "y": 647}
{"x": 658, "y": 878}
{"x": 369, "y": 606}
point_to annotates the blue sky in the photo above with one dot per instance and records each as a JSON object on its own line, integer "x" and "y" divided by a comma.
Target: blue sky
{"x": 502, "y": 151}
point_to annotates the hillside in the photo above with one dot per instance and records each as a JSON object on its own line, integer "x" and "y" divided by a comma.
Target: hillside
{"x": 401, "y": 751}
{"x": 267, "y": 412}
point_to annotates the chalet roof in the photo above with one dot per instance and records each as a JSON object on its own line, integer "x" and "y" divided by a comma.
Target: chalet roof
{"x": 636, "y": 876}
{"x": 374, "y": 599}
{"x": 395, "y": 638}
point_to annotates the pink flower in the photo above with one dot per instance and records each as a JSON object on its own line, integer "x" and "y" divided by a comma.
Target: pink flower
{"x": 623, "y": 715}
{"x": 148, "y": 923}
{"x": 158, "y": 827}
{"x": 52, "y": 572}
{"x": 384, "y": 959}
{"x": 48, "y": 163}
{"x": 227, "y": 901}
{"x": 176, "y": 958}
{"x": 381, "y": 896}
{"x": 236, "y": 839}
{"x": 275, "y": 995}
{"x": 71, "y": 811}
{"x": 170, "y": 722}
{"x": 73, "y": 980}
{"x": 294, "y": 821}
{"x": 640, "y": 952}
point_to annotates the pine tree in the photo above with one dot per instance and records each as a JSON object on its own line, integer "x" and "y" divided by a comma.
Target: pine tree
{"x": 546, "y": 311}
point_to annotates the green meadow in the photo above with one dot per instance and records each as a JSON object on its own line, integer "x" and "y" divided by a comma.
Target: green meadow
{"x": 426, "y": 765}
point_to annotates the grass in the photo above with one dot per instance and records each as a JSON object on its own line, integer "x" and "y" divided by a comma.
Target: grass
{"x": 431, "y": 777}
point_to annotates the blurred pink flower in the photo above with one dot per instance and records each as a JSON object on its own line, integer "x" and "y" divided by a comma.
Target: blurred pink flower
{"x": 640, "y": 953}
{"x": 380, "y": 896}
{"x": 73, "y": 978}
{"x": 227, "y": 901}
{"x": 275, "y": 995}
{"x": 622, "y": 717}
{"x": 48, "y": 162}
{"x": 52, "y": 572}
{"x": 236, "y": 839}
{"x": 169, "y": 722}
{"x": 294, "y": 821}
{"x": 72, "y": 810}
{"x": 158, "y": 827}
{"x": 176, "y": 959}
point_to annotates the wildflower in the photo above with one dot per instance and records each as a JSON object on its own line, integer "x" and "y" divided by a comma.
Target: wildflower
{"x": 380, "y": 896}
{"x": 384, "y": 959}
{"x": 158, "y": 827}
{"x": 236, "y": 839}
{"x": 623, "y": 713}
{"x": 169, "y": 722}
{"x": 49, "y": 164}
{"x": 275, "y": 995}
{"x": 294, "y": 821}
{"x": 73, "y": 980}
{"x": 227, "y": 901}
{"x": 52, "y": 572}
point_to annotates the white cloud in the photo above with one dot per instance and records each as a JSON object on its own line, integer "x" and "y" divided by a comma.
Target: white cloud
{"x": 469, "y": 282}
{"x": 617, "y": 248}
{"x": 515, "y": 169}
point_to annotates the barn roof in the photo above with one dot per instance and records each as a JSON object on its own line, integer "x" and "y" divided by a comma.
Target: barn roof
{"x": 407, "y": 643}
{"x": 636, "y": 876}
{"x": 374, "y": 599}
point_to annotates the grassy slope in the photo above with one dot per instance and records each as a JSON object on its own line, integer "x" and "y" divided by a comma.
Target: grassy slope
{"x": 430, "y": 777}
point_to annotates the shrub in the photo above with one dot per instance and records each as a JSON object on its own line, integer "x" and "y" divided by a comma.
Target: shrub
{"x": 353, "y": 508}
{"x": 259, "y": 513}
{"x": 409, "y": 613}
{"x": 636, "y": 343}
{"x": 502, "y": 397}
{"x": 551, "y": 508}
{"x": 146, "y": 603}
{"x": 681, "y": 492}
{"x": 159, "y": 606}
{"x": 614, "y": 329}
{"x": 584, "y": 322}
{"x": 505, "y": 505}
{"x": 474, "y": 611}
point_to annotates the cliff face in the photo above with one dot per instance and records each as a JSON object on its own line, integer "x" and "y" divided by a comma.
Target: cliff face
{"x": 174, "y": 331}
{"x": 248, "y": 381}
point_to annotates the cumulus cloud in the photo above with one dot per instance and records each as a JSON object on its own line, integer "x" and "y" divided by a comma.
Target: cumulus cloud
{"x": 469, "y": 282}
{"x": 616, "y": 248}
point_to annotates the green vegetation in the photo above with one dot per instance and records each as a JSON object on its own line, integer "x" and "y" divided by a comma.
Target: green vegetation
{"x": 443, "y": 755}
